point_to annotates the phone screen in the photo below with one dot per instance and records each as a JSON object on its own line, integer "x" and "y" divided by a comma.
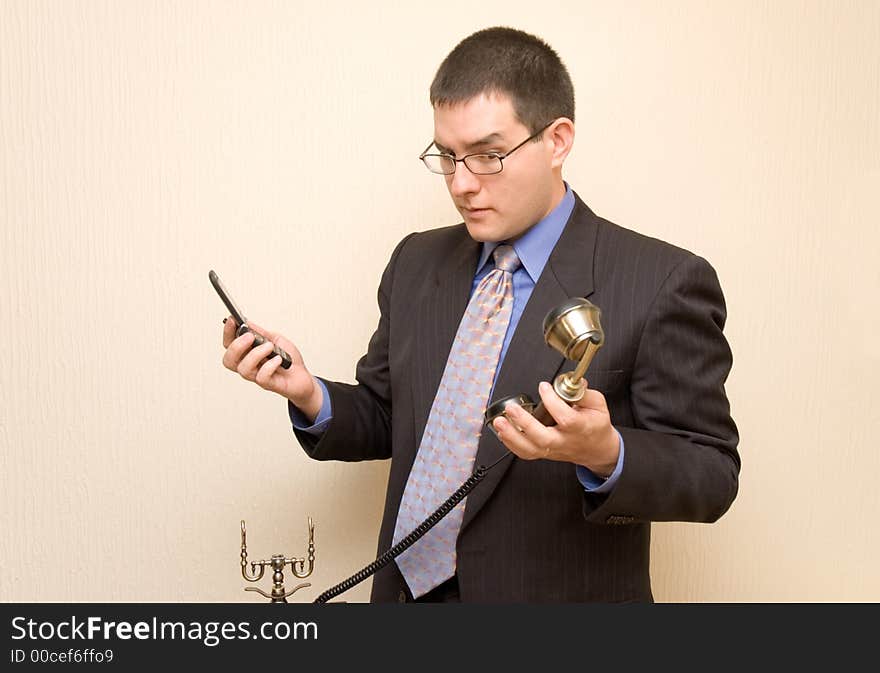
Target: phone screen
{"x": 224, "y": 295}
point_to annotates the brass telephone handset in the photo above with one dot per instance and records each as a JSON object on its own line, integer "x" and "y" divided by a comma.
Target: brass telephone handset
{"x": 574, "y": 329}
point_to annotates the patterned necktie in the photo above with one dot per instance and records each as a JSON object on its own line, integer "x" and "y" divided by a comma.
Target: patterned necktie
{"x": 449, "y": 445}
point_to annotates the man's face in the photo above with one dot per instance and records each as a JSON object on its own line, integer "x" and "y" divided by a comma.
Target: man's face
{"x": 502, "y": 206}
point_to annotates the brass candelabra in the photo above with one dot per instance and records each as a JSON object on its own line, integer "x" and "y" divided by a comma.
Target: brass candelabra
{"x": 278, "y": 562}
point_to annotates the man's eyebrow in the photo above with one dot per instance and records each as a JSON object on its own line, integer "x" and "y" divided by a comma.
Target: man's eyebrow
{"x": 490, "y": 139}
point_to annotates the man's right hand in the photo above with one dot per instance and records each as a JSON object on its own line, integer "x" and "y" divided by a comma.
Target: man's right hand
{"x": 295, "y": 383}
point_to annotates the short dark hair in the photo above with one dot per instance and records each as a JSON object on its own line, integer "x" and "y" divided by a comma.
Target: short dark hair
{"x": 512, "y": 62}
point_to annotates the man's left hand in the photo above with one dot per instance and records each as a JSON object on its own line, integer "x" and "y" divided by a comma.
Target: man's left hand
{"x": 583, "y": 433}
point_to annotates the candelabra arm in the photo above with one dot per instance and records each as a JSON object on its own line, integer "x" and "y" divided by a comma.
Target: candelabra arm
{"x": 259, "y": 591}
{"x": 302, "y": 572}
{"x": 253, "y": 576}
{"x": 297, "y": 588}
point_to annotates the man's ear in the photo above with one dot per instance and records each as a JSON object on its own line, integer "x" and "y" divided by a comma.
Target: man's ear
{"x": 561, "y": 133}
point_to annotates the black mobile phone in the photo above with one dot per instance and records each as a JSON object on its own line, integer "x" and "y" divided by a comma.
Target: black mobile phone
{"x": 241, "y": 321}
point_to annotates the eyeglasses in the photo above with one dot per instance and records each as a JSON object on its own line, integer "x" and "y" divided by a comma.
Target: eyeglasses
{"x": 478, "y": 164}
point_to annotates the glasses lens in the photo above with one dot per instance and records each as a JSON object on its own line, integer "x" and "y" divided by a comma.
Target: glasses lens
{"x": 439, "y": 163}
{"x": 483, "y": 164}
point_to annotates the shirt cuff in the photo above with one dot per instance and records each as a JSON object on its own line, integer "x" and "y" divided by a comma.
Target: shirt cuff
{"x": 595, "y": 484}
{"x": 325, "y": 415}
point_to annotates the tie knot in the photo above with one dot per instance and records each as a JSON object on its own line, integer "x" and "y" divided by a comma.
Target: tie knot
{"x": 505, "y": 258}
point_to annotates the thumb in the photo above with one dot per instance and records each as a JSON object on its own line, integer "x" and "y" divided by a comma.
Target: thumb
{"x": 278, "y": 339}
{"x": 269, "y": 334}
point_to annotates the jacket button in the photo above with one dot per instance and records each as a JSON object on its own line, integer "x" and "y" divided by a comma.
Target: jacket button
{"x": 401, "y": 597}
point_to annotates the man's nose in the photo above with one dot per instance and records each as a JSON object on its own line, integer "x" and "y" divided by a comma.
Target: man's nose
{"x": 463, "y": 181}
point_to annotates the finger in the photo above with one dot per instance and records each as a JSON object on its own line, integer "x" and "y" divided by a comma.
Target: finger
{"x": 287, "y": 346}
{"x": 269, "y": 334}
{"x": 279, "y": 340}
{"x": 535, "y": 431}
{"x": 251, "y": 362}
{"x": 594, "y": 401}
{"x": 558, "y": 408}
{"x": 236, "y": 350}
{"x": 267, "y": 371}
{"x": 516, "y": 441}
{"x": 229, "y": 327}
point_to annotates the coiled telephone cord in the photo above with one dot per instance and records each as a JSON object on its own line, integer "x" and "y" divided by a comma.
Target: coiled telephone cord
{"x": 414, "y": 536}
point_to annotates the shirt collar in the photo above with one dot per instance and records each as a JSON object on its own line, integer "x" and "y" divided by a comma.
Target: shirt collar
{"x": 534, "y": 247}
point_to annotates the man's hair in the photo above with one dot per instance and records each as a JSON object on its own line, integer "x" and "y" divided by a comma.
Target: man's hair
{"x": 507, "y": 61}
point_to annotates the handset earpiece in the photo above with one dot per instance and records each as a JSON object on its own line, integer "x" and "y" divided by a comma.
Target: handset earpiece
{"x": 499, "y": 408}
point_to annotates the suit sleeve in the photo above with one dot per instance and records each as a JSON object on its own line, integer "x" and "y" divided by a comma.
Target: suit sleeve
{"x": 361, "y": 425}
{"x": 681, "y": 458}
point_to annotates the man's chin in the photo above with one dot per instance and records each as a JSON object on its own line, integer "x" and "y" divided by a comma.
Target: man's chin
{"x": 481, "y": 234}
{"x": 482, "y": 231}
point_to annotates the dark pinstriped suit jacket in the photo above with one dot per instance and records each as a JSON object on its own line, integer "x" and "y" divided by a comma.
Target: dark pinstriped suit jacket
{"x": 530, "y": 533}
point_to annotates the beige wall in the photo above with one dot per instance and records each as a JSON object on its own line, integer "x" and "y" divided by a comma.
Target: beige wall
{"x": 143, "y": 143}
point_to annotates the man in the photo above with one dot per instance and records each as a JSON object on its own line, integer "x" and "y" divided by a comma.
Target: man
{"x": 461, "y": 312}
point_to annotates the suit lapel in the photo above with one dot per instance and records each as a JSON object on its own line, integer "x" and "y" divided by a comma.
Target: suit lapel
{"x": 568, "y": 273}
{"x": 437, "y": 320}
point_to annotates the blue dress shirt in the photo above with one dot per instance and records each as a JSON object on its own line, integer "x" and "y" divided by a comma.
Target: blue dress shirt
{"x": 533, "y": 249}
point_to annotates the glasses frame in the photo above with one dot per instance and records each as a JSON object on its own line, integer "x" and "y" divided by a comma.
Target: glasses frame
{"x": 501, "y": 157}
